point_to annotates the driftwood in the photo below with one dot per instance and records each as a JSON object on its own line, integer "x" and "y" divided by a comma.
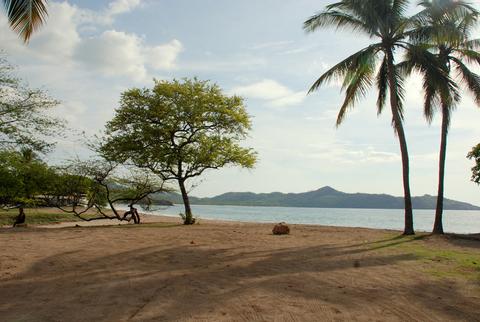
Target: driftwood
{"x": 133, "y": 215}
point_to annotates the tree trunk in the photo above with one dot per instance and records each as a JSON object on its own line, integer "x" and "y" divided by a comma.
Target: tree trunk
{"x": 186, "y": 202}
{"x": 398, "y": 125}
{"x": 438, "y": 225}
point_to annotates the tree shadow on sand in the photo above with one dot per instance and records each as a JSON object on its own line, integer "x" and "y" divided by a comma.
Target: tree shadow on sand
{"x": 216, "y": 283}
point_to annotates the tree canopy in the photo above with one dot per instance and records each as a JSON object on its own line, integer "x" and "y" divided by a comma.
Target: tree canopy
{"x": 24, "y": 177}
{"x": 441, "y": 50}
{"x": 82, "y": 186}
{"x": 475, "y": 156}
{"x": 178, "y": 130}
{"x": 25, "y": 121}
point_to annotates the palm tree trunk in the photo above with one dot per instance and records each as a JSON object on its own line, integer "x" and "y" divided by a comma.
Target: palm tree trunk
{"x": 438, "y": 225}
{"x": 186, "y": 202}
{"x": 398, "y": 125}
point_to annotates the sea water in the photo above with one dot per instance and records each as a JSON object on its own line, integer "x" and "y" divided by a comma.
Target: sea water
{"x": 455, "y": 221}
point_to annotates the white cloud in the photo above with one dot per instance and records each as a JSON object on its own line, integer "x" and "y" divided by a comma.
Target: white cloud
{"x": 117, "y": 53}
{"x": 112, "y": 52}
{"x": 272, "y": 45}
{"x": 59, "y": 36}
{"x": 56, "y": 41}
{"x": 345, "y": 153}
{"x": 269, "y": 90}
{"x": 121, "y": 6}
{"x": 107, "y": 16}
{"x": 164, "y": 56}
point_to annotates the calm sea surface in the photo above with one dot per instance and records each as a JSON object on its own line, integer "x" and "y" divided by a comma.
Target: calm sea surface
{"x": 455, "y": 221}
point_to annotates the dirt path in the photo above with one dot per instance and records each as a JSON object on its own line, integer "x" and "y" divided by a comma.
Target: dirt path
{"x": 223, "y": 272}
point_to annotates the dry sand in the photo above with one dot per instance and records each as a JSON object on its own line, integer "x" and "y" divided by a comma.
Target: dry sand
{"x": 223, "y": 272}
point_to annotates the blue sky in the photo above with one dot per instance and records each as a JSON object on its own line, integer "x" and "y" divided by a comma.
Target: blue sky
{"x": 90, "y": 51}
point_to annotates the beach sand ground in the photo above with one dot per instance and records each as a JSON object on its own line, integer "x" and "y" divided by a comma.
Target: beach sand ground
{"x": 220, "y": 271}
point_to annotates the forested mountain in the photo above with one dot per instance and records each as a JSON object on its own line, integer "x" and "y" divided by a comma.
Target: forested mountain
{"x": 325, "y": 197}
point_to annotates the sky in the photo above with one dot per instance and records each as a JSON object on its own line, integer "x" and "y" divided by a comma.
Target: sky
{"x": 91, "y": 51}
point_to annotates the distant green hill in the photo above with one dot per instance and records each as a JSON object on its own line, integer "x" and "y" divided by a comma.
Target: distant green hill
{"x": 325, "y": 197}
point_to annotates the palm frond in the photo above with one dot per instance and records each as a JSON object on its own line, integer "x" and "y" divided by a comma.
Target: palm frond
{"x": 436, "y": 82}
{"x": 356, "y": 86}
{"x": 399, "y": 92}
{"x": 473, "y": 44}
{"x": 469, "y": 55}
{"x": 26, "y": 16}
{"x": 382, "y": 86}
{"x": 340, "y": 70}
{"x": 443, "y": 22}
{"x": 335, "y": 19}
{"x": 471, "y": 79}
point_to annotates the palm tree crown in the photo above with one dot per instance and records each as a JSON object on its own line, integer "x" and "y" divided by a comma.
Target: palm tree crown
{"x": 442, "y": 37}
{"x": 385, "y": 21}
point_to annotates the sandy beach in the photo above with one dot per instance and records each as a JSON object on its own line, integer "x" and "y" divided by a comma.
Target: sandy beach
{"x": 218, "y": 271}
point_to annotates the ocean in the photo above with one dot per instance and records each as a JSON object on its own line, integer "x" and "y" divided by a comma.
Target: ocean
{"x": 455, "y": 221}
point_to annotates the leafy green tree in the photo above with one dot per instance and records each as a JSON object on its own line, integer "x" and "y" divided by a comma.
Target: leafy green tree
{"x": 385, "y": 21}
{"x": 91, "y": 185}
{"x": 26, "y": 16}
{"x": 475, "y": 156}
{"x": 24, "y": 118}
{"x": 24, "y": 179}
{"x": 178, "y": 130}
{"x": 443, "y": 28}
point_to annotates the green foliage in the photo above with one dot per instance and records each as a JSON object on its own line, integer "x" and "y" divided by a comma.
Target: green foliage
{"x": 24, "y": 178}
{"x": 73, "y": 188}
{"x": 475, "y": 156}
{"x": 438, "y": 261}
{"x": 94, "y": 184}
{"x": 24, "y": 119}
{"x": 39, "y": 216}
{"x": 382, "y": 20}
{"x": 184, "y": 218}
{"x": 179, "y": 129}
{"x": 442, "y": 46}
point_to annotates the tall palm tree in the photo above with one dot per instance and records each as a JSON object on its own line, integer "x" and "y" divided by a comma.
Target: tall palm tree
{"x": 26, "y": 16}
{"x": 385, "y": 21}
{"x": 444, "y": 27}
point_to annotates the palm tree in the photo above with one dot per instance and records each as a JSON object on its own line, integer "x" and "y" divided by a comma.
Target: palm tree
{"x": 26, "y": 16}
{"x": 444, "y": 27}
{"x": 385, "y": 21}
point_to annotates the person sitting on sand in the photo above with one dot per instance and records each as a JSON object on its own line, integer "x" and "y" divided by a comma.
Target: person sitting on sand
{"x": 20, "y": 219}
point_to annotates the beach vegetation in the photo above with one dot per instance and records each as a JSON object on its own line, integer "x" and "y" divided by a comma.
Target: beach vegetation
{"x": 178, "y": 130}
{"x": 101, "y": 186}
{"x": 386, "y": 23}
{"x": 24, "y": 177}
{"x": 25, "y": 119}
{"x": 442, "y": 42}
{"x": 475, "y": 156}
{"x": 39, "y": 216}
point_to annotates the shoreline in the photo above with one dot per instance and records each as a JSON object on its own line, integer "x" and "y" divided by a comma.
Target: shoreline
{"x": 147, "y": 219}
{"x": 234, "y": 271}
